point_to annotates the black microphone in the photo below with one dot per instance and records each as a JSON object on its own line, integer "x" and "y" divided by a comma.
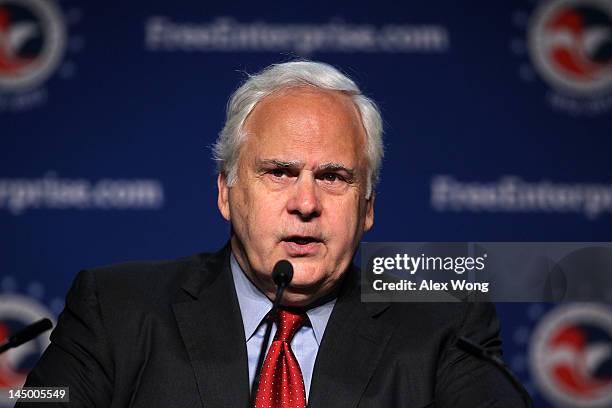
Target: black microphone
{"x": 26, "y": 334}
{"x": 282, "y": 275}
{"x": 481, "y": 352}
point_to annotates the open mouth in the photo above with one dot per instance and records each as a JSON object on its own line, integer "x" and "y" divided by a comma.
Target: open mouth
{"x": 302, "y": 245}
{"x": 301, "y": 240}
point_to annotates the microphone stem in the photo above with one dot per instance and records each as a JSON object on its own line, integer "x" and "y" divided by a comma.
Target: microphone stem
{"x": 271, "y": 317}
{"x": 479, "y": 351}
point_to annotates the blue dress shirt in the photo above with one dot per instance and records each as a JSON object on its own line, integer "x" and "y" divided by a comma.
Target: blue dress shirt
{"x": 254, "y": 306}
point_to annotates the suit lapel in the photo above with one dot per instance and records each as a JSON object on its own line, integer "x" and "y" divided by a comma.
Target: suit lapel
{"x": 211, "y": 326}
{"x": 350, "y": 350}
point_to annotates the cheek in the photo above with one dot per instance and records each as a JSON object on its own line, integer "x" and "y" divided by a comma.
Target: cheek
{"x": 259, "y": 213}
{"x": 343, "y": 215}
{"x": 239, "y": 206}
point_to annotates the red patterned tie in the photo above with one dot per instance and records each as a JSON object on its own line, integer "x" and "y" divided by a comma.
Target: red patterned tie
{"x": 281, "y": 384}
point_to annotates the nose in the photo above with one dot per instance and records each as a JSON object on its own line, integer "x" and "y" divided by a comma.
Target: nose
{"x": 304, "y": 200}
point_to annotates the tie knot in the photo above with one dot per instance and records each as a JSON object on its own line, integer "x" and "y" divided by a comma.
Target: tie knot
{"x": 288, "y": 323}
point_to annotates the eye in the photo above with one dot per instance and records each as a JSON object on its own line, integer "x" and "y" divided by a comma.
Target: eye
{"x": 278, "y": 173}
{"x": 331, "y": 177}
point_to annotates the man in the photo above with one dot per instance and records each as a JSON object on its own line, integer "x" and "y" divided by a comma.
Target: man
{"x": 299, "y": 158}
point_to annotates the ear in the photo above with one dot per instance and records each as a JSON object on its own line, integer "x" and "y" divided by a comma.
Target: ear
{"x": 369, "y": 215}
{"x": 223, "y": 196}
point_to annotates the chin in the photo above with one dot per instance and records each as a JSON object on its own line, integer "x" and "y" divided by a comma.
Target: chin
{"x": 303, "y": 295}
{"x": 305, "y": 281}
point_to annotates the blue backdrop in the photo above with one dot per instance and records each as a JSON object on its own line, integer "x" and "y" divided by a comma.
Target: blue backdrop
{"x": 108, "y": 112}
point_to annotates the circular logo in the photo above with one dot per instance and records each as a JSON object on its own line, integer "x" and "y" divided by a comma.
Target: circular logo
{"x": 570, "y": 355}
{"x": 15, "y": 313}
{"x": 570, "y": 42}
{"x": 32, "y": 43}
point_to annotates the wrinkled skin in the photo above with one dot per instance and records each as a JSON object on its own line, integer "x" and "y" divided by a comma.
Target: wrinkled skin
{"x": 300, "y": 192}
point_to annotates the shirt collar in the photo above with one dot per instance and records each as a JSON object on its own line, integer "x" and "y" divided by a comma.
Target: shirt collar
{"x": 254, "y": 305}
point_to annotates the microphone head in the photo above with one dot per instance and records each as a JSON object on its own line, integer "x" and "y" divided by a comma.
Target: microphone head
{"x": 282, "y": 273}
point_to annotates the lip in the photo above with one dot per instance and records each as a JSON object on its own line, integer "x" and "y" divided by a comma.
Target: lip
{"x": 295, "y": 249}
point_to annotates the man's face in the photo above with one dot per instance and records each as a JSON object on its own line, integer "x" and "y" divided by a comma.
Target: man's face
{"x": 300, "y": 191}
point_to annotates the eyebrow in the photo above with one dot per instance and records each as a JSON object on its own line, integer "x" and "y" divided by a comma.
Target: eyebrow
{"x": 339, "y": 167}
{"x": 335, "y": 166}
{"x": 282, "y": 163}
{"x": 297, "y": 164}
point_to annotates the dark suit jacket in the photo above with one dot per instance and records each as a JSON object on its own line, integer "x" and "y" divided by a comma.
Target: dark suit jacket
{"x": 170, "y": 334}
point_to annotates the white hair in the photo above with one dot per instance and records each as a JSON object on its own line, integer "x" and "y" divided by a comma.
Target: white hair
{"x": 289, "y": 74}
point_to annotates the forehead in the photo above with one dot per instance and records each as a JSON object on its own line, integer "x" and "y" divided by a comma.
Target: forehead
{"x": 306, "y": 124}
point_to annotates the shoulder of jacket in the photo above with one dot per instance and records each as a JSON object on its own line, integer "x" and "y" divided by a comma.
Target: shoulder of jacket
{"x": 141, "y": 281}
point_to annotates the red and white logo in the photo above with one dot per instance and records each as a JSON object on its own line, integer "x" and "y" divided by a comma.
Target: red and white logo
{"x": 570, "y": 44}
{"x": 32, "y": 43}
{"x": 570, "y": 356}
